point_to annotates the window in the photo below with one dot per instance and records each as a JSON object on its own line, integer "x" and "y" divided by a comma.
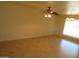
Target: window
{"x": 71, "y": 27}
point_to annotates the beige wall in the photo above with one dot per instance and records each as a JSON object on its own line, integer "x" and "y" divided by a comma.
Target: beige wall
{"x": 18, "y": 22}
{"x": 60, "y": 20}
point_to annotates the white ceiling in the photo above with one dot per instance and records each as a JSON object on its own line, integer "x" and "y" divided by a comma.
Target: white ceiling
{"x": 62, "y": 7}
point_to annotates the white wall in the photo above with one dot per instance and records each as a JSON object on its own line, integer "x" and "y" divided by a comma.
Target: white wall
{"x": 17, "y": 22}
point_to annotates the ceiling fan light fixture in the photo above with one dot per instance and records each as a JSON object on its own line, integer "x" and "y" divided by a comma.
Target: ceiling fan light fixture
{"x": 48, "y": 15}
{"x": 51, "y": 12}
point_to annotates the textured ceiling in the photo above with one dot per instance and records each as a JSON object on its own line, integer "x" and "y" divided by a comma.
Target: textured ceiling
{"x": 62, "y": 7}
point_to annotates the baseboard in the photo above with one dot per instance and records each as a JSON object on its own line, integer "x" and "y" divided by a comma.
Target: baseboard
{"x": 31, "y": 37}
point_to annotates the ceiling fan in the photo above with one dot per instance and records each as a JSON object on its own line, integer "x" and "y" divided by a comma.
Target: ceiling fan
{"x": 51, "y": 11}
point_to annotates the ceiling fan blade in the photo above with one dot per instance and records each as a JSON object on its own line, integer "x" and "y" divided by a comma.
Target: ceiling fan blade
{"x": 55, "y": 13}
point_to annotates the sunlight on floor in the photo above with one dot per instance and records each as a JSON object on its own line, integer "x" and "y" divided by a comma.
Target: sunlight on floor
{"x": 71, "y": 28}
{"x": 69, "y": 49}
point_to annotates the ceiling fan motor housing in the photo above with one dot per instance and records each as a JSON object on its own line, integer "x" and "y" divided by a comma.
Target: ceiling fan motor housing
{"x": 49, "y": 10}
